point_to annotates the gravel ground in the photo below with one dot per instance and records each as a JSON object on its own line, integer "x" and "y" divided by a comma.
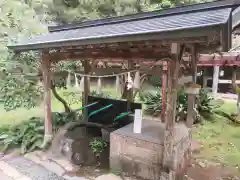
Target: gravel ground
{"x": 31, "y": 169}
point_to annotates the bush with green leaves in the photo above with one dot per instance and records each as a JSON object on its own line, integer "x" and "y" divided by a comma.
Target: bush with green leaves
{"x": 17, "y": 91}
{"x": 98, "y": 146}
{"x": 153, "y": 102}
{"x": 206, "y": 105}
{"x": 29, "y": 134}
{"x": 155, "y": 80}
{"x": 99, "y": 94}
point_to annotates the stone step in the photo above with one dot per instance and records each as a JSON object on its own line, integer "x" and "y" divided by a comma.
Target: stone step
{"x": 7, "y": 172}
{"x": 4, "y": 176}
{"x": 45, "y": 171}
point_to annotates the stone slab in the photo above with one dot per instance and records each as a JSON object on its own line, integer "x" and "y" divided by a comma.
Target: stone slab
{"x": 9, "y": 171}
{"x": 73, "y": 178}
{"x": 153, "y": 131}
{"x": 109, "y": 177}
{"x": 32, "y": 170}
{"x": 140, "y": 155}
{"x": 4, "y": 176}
{"x": 23, "y": 178}
{"x": 45, "y": 162}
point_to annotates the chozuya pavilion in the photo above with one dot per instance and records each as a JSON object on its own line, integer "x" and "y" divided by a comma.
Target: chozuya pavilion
{"x": 162, "y": 149}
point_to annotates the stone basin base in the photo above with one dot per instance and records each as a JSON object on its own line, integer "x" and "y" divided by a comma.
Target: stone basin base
{"x": 140, "y": 155}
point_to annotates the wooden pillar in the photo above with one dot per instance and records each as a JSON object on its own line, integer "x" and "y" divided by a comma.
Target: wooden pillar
{"x": 194, "y": 63}
{"x": 164, "y": 90}
{"x": 192, "y": 97}
{"x": 45, "y": 65}
{"x": 167, "y": 160}
{"x": 205, "y": 77}
{"x": 215, "y": 80}
{"x": 87, "y": 69}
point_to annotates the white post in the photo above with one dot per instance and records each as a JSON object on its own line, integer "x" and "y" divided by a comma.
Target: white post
{"x": 215, "y": 80}
{"x": 137, "y": 125}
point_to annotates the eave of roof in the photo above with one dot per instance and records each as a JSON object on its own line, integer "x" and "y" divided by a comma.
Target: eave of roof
{"x": 141, "y": 27}
{"x": 159, "y": 13}
{"x": 236, "y": 18}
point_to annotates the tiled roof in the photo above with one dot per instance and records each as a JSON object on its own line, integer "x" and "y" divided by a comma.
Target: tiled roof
{"x": 129, "y": 28}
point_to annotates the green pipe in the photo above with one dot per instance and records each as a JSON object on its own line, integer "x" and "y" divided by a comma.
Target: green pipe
{"x": 87, "y": 106}
{"x": 121, "y": 116}
{"x": 99, "y": 110}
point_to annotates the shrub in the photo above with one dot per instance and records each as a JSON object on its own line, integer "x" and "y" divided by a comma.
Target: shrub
{"x": 29, "y": 134}
{"x": 98, "y": 146}
{"x": 153, "y": 102}
{"x": 155, "y": 80}
{"x": 206, "y": 105}
{"x": 99, "y": 94}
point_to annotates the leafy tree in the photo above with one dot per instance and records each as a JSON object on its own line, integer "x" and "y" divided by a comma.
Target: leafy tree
{"x": 18, "y": 21}
{"x": 64, "y": 11}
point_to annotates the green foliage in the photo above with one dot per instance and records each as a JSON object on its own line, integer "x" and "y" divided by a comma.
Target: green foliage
{"x": 60, "y": 119}
{"x": 206, "y": 105}
{"x": 16, "y": 92}
{"x": 72, "y": 97}
{"x": 64, "y": 11}
{"x": 98, "y": 146}
{"x": 17, "y": 20}
{"x": 29, "y": 134}
{"x": 99, "y": 94}
{"x": 153, "y": 102}
{"x": 18, "y": 88}
{"x": 155, "y": 80}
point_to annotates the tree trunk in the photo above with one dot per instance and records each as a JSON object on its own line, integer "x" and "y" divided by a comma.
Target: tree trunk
{"x": 59, "y": 98}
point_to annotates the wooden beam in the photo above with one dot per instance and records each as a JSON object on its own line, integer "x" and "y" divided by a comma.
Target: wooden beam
{"x": 191, "y": 97}
{"x": 164, "y": 90}
{"x": 167, "y": 162}
{"x": 106, "y": 55}
{"x": 87, "y": 69}
{"x": 45, "y": 66}
{"x": 160, "y": 44}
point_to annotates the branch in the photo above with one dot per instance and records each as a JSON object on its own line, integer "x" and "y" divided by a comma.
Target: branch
{"x": 59, "y": 98}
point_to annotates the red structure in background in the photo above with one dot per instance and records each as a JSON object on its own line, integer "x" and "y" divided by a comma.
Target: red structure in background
{"x": 224, "y": 59}
{"x": 205, "y": 60}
